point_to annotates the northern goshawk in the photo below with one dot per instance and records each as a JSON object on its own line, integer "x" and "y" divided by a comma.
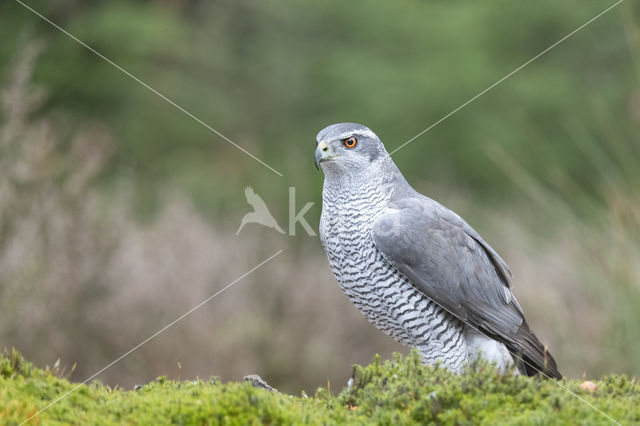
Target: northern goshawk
{"x": 415, "y": 269}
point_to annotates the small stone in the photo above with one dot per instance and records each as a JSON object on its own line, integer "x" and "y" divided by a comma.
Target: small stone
{"x": 588, "y": 386}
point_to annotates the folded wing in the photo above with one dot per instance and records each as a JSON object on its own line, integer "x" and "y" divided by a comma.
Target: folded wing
{"x": 452, "y": 265}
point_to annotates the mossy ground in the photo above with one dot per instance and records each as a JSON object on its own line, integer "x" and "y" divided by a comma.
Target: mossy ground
{"x": 399, "y": 391}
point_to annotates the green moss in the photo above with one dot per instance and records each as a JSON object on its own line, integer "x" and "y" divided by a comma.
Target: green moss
{"x": 399, "y": 391}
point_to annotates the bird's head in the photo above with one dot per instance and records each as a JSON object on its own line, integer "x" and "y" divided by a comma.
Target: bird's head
{"x": 348, "y": 149}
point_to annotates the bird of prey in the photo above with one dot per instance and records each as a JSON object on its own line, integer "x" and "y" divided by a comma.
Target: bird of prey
{"x": 260, "y": 213}
{"x": 415, "y": 269}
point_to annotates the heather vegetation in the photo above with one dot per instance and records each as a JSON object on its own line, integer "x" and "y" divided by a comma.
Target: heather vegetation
{"x": 398, "y": 391}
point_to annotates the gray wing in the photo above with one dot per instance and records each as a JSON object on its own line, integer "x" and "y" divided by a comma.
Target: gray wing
{"x": 452, "y": 265}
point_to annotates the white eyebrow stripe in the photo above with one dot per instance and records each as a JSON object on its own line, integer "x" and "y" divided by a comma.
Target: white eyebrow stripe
{"x": 361, "y": 132}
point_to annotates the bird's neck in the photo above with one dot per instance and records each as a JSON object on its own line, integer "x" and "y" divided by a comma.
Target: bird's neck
{"x": 370, "y": 189}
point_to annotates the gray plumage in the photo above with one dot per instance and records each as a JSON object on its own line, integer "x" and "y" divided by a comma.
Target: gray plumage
{"x": 415, "y": 269}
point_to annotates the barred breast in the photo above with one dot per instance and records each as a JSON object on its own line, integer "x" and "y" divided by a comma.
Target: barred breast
{"x": 384, "y": 295}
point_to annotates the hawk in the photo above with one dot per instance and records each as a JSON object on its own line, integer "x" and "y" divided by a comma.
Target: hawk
{"x": 414, "y": 268}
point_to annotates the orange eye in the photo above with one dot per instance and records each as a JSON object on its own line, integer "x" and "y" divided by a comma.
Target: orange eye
{"x": 350, "y": 142}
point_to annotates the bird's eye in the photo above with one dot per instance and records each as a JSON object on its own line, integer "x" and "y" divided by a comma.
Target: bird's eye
{"x": 350, "y": 142}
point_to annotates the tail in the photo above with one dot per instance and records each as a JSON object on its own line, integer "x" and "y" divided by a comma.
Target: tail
{"x": 532, "y": 357}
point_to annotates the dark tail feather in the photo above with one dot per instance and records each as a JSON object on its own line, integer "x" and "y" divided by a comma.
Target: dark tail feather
{"x": 534, "y": 357}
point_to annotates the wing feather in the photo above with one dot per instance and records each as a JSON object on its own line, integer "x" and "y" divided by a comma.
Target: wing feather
{"x": 450, "y": 263}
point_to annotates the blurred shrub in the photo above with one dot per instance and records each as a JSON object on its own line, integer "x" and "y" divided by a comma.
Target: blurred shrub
{"x": 81, "y": 279}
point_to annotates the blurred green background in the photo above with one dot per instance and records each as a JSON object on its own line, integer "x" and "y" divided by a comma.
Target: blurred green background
{"x": 119, "y": 212}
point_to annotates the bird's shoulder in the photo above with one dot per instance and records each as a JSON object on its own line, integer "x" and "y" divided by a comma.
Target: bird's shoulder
{"x": 447, "y": 260}
{"x": 416, "y": 222}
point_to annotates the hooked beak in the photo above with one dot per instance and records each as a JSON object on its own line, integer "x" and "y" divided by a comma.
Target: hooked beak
{"x": 323, "y": 153}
